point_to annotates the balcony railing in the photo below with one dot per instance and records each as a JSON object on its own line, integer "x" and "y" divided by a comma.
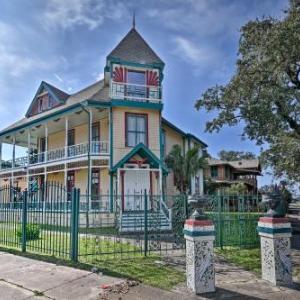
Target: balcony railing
{"x": 97, "y": 148}
{"x": 135, "y": 92}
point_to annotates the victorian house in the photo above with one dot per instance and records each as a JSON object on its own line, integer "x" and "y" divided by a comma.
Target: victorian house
{"x": 109, "y": 138}
{"x": 222, "y": 174}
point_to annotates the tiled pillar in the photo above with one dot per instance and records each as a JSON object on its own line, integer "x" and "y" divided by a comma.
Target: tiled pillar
{"x": 275, "y": 234}
{"x": 200, "y": 271}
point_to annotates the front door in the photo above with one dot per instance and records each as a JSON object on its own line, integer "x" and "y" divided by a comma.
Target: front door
{"x": 136, "y": 181}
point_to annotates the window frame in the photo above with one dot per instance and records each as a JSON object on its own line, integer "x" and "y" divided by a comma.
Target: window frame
{"x": 212, "y": 173}
{"x": 145, "y": 116}
{"x": 97, "y": 126}
{"x": 95, "y": 171}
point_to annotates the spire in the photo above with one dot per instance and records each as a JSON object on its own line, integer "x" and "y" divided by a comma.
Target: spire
{"x": 133, "y": 20}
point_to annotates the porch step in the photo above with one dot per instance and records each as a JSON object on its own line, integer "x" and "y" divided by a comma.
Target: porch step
{"x": 135, "y": 222}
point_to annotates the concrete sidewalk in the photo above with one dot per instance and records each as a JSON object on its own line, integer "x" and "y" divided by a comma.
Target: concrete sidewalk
{"x": 24, "y": 278}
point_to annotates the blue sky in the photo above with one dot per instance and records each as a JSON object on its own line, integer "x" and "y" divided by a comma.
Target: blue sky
{"x": 65, "y": 42}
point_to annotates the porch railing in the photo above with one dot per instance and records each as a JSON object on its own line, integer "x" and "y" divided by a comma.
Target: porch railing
{"x": 97, "y": 148}
{"x": 135, "y": 92}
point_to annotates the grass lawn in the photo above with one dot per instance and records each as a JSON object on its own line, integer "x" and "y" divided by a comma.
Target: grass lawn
{"x": 248, "y": 259}
{"x": 111, "y": 255}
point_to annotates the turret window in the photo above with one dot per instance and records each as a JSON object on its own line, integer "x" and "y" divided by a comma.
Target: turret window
{"x": 136, "y": 84}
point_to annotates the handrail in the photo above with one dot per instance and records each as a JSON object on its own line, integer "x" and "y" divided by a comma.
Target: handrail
{"x": 131, "y": 91}
{"x": 98, "y": 147}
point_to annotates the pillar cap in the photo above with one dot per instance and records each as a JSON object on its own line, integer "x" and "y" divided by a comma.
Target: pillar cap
{"x": 273, "y": 220}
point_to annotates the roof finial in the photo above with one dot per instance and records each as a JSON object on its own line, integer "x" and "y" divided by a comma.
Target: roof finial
{"x": 133, "y": 20}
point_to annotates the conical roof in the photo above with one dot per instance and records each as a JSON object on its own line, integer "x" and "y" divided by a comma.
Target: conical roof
{"x": 133, "y": 48}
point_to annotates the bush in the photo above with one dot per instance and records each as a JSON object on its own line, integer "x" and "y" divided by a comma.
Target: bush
{"x": 32, "y": 232}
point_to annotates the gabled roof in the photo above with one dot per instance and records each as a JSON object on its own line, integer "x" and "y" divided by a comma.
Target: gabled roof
{"x": 143, "y": 152}
{"x": 59, "y": 95}
{"x": 242, "y": 165}
{"x": 185, "y": 135}
{"x": 96, "y": 91}
{"x": 133, "y": 48}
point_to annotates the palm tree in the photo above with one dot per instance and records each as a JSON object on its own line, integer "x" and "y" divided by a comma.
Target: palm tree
{"x": 184, "y": 166}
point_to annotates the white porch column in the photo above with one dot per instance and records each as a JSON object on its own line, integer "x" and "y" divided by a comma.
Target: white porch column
{"x": 14, "y": 152}
{"x": 160, "y": 181}
{"x": 46, "y": 142}
{"x": 66, "y": 135}
{"x": 90, "y": 127}
{"x": 0, "y": 155}
{"x": 28, "y": 154}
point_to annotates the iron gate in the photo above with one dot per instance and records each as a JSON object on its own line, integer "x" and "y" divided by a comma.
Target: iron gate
{"x": 235, "y": 218}
{"x": 38, "y": 220}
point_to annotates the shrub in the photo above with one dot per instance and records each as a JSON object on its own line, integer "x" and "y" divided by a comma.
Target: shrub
{"x": 32, "y": 232}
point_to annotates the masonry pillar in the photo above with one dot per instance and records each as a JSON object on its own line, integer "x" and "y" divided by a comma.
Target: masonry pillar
{"x": 200, "y": 272}
{"x": 275, "y": 234}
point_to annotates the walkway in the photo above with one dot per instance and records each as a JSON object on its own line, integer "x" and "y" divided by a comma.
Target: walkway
{"x": 23, "y": 278}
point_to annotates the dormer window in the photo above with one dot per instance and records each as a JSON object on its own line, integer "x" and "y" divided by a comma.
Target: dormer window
{"x": 44, "y": 102}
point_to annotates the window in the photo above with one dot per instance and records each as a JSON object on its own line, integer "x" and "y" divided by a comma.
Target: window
{"x": 71, "y": 142}
{"x": 71, "y": 137}
{"x": 95, "y": 184}
{"x": 96, "y": 132}
{"x": 44, "y": 102}
{"x": 70, "y": 183}
{"x": 136, "y": 84}
{"x": 136, "y": 129}
{"x": 214, "y": 171}
{"x": 163, "y": 142}
{"x": 227, "y": 172}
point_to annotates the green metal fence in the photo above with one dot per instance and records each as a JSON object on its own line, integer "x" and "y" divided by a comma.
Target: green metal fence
{"x": 235, "y": 218}
{"x": 48, "y": 220}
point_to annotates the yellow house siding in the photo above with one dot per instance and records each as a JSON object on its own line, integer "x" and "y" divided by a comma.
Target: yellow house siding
{"x": 104, "y": 181}
{"x": 172, "y": 138}
{"x": 104, "y": 129}
{"x": 81, "y": 134}
{"x": 120, "y": 150}
{"x": 58, "y": 177}
{"x": 56, "y": 140}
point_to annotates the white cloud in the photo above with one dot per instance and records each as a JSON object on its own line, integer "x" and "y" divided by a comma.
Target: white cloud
{"x": 190, "y": 51}
{"x": 58, "y": 77}
{"x": 69, "y": 13}
{"x": 99, "y": 76}
{"x": 15, "y": 60}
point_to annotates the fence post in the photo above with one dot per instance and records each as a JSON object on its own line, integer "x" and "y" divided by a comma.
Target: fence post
{"x": 220, "y": 225}
{"x": 24, "y": 221}
{"x": 145, "y": 223}
{"x": 75, "y": 195}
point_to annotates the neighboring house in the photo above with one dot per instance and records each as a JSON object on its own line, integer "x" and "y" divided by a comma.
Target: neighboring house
{"x": 119, "y": 119}
{"x": 223, "y": 174}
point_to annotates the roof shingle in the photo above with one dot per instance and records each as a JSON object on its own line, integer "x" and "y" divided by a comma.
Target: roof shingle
{"x": 133, "y": 48}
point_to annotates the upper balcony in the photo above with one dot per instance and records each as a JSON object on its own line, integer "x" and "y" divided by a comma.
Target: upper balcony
{"x": 56, "y": 155}
{"x": 135, "y": 92}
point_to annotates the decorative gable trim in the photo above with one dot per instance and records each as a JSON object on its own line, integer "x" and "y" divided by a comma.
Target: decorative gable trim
{"x": 48, "y": 88}
{"x": 144, "y": 152}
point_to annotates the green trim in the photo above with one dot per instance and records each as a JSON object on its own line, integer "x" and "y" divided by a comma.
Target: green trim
{"x": 274, "y": 230}
{"x": 172, "y": 126}
{"x": 191, "y": 136}
{"x": 130, "y": 103}
{"x": 142, "y": 150}
{"x": 198, "y": 233}
{"x": 56, "y": 114}
{"x": 111, "y": 159}
{"x": 116, "y": 60}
